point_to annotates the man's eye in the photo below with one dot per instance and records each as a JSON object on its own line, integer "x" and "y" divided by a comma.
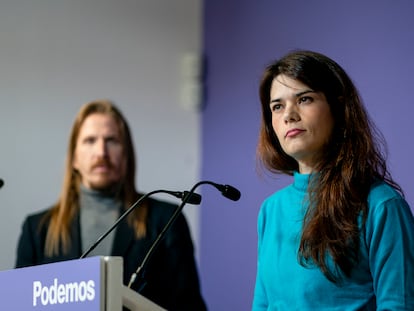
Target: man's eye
{"x": 89, "y": 140}
{"x": 112, "y": 141}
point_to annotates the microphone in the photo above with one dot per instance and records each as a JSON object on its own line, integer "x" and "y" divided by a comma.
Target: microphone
{"x": 1, "y": 183}
{"x": 192, "y": 198}
{"x": 226, "y": 190}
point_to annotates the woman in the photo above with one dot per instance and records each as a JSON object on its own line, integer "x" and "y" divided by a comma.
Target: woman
{"x": 341, "y": 236}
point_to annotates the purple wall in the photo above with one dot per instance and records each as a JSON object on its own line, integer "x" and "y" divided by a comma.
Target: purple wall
{"x": 372, "y": 40}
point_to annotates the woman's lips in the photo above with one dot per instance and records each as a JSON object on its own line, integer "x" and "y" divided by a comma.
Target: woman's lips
{"x": 294, "y": 132}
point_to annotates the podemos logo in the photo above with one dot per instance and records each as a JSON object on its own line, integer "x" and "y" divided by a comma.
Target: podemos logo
{"x": 63, "y": 293}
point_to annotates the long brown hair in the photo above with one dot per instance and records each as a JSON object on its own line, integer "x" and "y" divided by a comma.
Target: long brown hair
{"x": 64, "y": 211}
{"x": 354, "y": 159}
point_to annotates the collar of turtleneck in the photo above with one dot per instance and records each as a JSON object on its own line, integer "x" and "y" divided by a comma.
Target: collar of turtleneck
{"x": 98, "y": 212}
{"x": 301, "y": 181}
{"x": 97, "y": 193}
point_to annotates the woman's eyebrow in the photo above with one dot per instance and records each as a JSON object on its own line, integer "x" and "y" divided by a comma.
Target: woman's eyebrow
{"x": 276, "y": 100}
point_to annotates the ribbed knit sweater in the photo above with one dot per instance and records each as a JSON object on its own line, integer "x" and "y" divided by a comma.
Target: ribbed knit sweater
{"x": 383, "y": 279}
{"x": 98, "y": 212}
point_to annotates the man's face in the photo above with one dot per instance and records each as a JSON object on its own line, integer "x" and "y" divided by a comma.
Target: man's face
{"x": 99, "y": 153}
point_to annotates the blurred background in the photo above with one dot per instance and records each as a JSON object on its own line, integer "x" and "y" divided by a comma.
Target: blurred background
{"x": 186, "y": 73}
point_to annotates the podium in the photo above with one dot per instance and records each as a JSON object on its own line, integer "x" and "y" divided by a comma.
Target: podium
{"x": 90, "y": 284}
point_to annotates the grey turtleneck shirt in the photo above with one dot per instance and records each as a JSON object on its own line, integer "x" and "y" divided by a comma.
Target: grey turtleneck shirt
{"x": 98, "y": 212}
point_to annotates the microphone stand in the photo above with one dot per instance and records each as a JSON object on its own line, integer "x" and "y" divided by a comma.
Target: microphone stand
{"x": 140, "y": 270}
{"x": 127, "y": 212}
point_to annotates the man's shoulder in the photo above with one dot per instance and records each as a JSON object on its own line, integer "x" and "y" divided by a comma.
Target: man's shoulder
{"x": 37, "y": 216}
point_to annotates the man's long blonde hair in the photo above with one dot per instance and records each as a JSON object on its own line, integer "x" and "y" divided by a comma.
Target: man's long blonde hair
{"x": 61, "y": 216}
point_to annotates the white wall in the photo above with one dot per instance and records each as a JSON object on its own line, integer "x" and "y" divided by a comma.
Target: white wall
{"x": 56, "y": 55}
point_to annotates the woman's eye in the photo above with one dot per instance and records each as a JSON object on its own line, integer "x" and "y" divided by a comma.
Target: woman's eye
{"x": 276, "y": 107}
{"x": 305, "y": 99}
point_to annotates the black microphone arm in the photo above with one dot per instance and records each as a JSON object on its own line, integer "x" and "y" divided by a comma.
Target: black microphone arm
{"x": 192, "y": 198}
{"x": 1, "y": 182}
{"x": 226, "y": 190}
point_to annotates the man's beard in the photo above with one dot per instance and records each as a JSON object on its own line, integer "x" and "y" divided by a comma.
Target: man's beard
{"x": 109, "y": 187}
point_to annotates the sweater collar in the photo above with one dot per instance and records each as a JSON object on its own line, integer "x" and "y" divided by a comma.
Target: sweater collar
{"x": 301, "y": 181}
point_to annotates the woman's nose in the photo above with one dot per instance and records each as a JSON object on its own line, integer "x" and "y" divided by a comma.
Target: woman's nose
{"x": 291, "y": 114}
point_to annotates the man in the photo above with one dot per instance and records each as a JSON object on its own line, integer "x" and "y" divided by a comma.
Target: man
{"x": 98, "y": 185}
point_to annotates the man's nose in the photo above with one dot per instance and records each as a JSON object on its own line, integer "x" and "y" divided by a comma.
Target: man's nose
{"x": 101, "y": 148}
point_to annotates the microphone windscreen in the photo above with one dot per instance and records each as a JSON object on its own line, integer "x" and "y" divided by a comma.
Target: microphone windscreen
{"x": 231, "y": 193}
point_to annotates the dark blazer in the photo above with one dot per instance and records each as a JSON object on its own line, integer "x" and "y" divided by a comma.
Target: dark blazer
{"x": 171, "y": 274}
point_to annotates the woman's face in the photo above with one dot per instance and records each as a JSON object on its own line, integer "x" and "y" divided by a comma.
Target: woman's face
{"x": 301, "y": 120}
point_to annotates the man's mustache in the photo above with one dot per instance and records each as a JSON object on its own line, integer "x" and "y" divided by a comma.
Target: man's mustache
{"x": 102, "y": 162}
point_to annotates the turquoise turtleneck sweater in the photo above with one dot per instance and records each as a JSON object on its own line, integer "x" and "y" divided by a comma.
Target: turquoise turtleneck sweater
{"x": 383, "y": 279}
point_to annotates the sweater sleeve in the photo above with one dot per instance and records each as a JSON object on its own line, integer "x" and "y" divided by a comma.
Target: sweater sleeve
{"x": 260, "y": 302}
{"x": 390, "y": 241}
